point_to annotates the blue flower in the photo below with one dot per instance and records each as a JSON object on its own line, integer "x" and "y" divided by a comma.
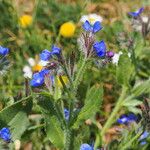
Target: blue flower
{"x": 92, "y": 28}
{"x": 100, "y": 48}
{"x": 55, "y": 50}
{"x": 45, "y": 55}
{"x": 124, "y": 119}
{"x": 66, "y": 113}
{"x": 4, "y": 51}
{"x": 144, "y": 135}
{"x": 5, "y": 134}
{"x": 38, "y": 78}
{"x": 137, "y": 13}
{"x": 86, "y": 146}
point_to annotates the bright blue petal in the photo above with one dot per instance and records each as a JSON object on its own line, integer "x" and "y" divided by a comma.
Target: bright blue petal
{"x": 44, "y": 72}
{"x": 87, "y": 26}
{"x": 37, "y": 80}
{"x": 123, "y": 119}
{"x": 5, "y": 134}
{"x": 85, "y": 147}
{"x": 55, "y": 50}
{"x": 45, "y": 55}
{"x": 4, "y": 51}
{"x": 100, "y": 48}
{"x": 132, "y": 117}
{"x": 97, "y": 27}
{"x": 137, "y": 13}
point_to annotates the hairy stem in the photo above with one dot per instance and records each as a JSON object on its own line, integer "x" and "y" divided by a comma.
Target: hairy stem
{"x": 79, "y": 74}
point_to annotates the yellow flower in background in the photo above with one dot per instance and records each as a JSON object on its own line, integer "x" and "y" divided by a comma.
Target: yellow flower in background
{"x": 67, "y": 29}
{"x": 64, "y": 78}
{"x": 25, "y": 21}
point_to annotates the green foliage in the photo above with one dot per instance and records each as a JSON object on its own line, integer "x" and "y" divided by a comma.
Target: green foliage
{"x": 15, "y": 116}
{"x": 53, "y": 126}
{"x": 141, "y": 88}
{"x": 92, "y": 104}
{"x": 124, "y": 70}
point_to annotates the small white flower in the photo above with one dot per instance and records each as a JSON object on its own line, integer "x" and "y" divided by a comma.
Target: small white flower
{"x": 27, "y": 72}
{"x": 31, "y": 62}
{"x": 92, "y": 18}
{"x": 115, "y": 58}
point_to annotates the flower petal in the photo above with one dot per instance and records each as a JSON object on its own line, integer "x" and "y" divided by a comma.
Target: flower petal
{"x": 97, "y": 27}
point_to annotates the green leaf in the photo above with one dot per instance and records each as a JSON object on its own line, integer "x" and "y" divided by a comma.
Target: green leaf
{"x": 132, "y": 103}
{"x": 124, "y": 69}
{"x": 15, "y": 117}
{"x": 54, "y": 131}
{"x": 53, "y": 121}
{"x": 92, "y": 104}
{"x": 141, "y": 88}
{"x": 134, "y": 110}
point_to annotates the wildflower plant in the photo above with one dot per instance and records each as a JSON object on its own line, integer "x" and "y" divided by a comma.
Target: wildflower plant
{"x": 61, "y": 99}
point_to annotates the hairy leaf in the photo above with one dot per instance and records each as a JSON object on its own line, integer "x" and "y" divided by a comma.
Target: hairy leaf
{"x": 91, "y": 106}
{"x": 124, "y": 69}
{"x": 143, "y": 87}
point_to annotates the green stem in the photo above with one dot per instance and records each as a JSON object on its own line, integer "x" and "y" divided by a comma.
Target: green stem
{"x": 114, "y": 113}
{"x": 79, "y": 74}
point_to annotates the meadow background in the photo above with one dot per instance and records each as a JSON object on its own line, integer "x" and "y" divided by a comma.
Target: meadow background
{"x": 44, "y": 30}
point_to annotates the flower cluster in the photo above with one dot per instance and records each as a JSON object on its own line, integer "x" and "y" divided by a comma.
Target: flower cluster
{"x": 92, "y": 48}
{"x": 5, "y": 134}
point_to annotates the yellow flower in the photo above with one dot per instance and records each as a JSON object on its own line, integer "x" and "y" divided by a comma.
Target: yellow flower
{"x": 64, "y": 78}
{"x": 67, "y": 29}
{"x": 37, "y": 68}
{"x": 25, "y": 21}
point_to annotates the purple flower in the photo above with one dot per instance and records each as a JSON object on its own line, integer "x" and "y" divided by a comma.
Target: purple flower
{"x": 86, "y": 146}
{"x": 92, "y": 28}
{"x": 100, "y": 48}
{"x": 55, "y": 50}
{"x": 5, "y": 134}
{"x": 45, "y": 55}
{"x": 4, "y": 51}
{"x": 66, "y": 113}
{"x": 110, "y": 54}
{"x": 137, "y": 13}
{"x": 38, "y": 78}
{"x": 125, "y": 119}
